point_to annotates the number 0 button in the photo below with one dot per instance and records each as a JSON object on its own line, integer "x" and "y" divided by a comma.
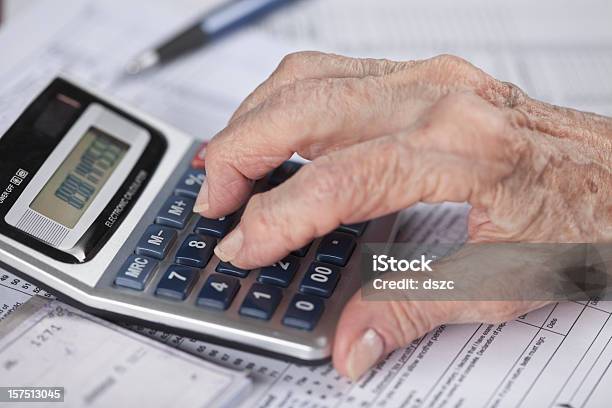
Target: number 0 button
{"x": 303, "y": 312}
{"x": 177, "y": 282}
{"x": 261, "y": 301}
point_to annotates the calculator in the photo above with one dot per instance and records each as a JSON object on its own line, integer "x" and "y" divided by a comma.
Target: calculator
{"x": 96, "y": 206}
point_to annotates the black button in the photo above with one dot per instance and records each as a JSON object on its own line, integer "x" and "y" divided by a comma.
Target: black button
{"x": 302, "y": 251}
{"x": 261, "y": 301}
{"x": 280, "y": 273}
{"x": 215, "y": 227}
{"x": 195, "y": 251}
{"x": 283, "y": 172}
{"x": 320, "y": 280}
{"x": 177, "y": 282}
{"x": 304, "y": 312}
{"x": 135, "y": 272}
{"x": 156, "y": 241}
{"x": 190, "y": 183}
{"x": 175, "y": 212}
{"x": 336, "y": 248}
{"x": 229, "y": 269}
{"x": 354, "y": 229}
{"x": 218, "y": 292}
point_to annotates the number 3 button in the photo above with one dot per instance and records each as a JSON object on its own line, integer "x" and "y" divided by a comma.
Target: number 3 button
{"x": 218, "y": 292}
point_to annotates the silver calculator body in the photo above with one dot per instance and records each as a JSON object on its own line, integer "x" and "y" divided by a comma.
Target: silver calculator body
{"x": 88, "y": 185}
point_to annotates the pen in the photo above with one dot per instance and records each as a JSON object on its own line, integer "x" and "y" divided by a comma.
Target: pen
{"x": 213, "y": 25}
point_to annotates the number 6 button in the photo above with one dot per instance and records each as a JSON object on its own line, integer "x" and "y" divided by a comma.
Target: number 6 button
{"x": 321, "y": 279}
{"x": 303, "y": 312}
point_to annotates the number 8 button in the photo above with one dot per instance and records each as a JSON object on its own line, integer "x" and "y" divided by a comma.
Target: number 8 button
{"x": 321, "y": 279}
{"x": 195, "y": 251}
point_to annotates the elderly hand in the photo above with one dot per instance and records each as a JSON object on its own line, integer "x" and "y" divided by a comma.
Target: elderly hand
{"x": 383, "y": 135}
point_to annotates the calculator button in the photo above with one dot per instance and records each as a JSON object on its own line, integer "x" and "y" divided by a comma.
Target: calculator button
{"x": 215, "y": 227}
{"x": 279, "y": 273}
{"x": 302, "y": 251}
{"x": 198, "y": 159}
{"x": 283, "y": 172}
{"x": 190, "y": 183}
{"x": 218, "y": 292}
{"x": 336, "y": 248}
{"x": 177, "y": 282}
{"x": 354, "y": 229}
{"x": 229, "y": 269}
{"x": 320, "y": 280}
{"x": 156, "y": 241}
{"x": 195, "y": 251}
{"x": 175, "y": 212}
{"x": 304, "y": 312}
{"x": 135, "y": 272}
{"x": 261, "y": 301}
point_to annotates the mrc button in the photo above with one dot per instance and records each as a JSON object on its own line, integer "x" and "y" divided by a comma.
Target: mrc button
{"x": 135, "y": 272}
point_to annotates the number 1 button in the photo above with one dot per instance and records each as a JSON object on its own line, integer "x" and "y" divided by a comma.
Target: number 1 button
{"x": 261, "y": 301}
{"x": 177, "y": 282}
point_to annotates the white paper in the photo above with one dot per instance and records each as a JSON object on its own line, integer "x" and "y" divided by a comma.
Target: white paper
{"x": 100, "y": 364}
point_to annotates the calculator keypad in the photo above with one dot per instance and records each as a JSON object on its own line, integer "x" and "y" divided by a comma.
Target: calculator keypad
{"x": 229, "y": 286}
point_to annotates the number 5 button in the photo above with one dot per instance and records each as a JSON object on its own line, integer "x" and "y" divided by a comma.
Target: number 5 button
{"x": 303, "y": 312}
{"x": 261, "y": 301}
{"x": 218, "y": 291}
{"x": 321, "y": 279}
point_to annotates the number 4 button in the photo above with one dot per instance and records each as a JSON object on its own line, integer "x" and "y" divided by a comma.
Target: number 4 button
{"x": 218, "y": 291}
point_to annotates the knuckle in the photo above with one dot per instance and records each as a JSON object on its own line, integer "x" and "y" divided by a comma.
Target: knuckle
{"x": 295, "y": 63}
{"x": 411, "y": 319}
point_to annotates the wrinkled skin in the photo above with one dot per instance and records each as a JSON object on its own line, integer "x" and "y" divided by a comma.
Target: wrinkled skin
{"x": 384, "y": 135}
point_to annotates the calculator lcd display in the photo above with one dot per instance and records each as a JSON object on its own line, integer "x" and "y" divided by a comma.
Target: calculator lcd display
{"x": 80, "y": 177}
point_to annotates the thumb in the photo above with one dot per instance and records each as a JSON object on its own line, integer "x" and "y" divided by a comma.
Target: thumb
{"x": 369, "y": 330}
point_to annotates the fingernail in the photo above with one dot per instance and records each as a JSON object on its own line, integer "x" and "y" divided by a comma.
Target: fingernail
{"x": 364, "y": 353}
{"x": 229, "y": 246}
{"x": 201, "y": 203}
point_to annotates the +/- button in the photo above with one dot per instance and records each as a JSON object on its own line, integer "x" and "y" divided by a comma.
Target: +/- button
{"x": 175, "y": 212}
{"x": 156, "y": 241}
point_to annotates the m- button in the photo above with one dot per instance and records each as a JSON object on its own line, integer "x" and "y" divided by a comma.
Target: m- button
{"x": 156, "y": 241}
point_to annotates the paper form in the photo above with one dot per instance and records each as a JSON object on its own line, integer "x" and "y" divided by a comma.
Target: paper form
{"x": 47, "y": 342}
{"x": 559, "y": 51}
